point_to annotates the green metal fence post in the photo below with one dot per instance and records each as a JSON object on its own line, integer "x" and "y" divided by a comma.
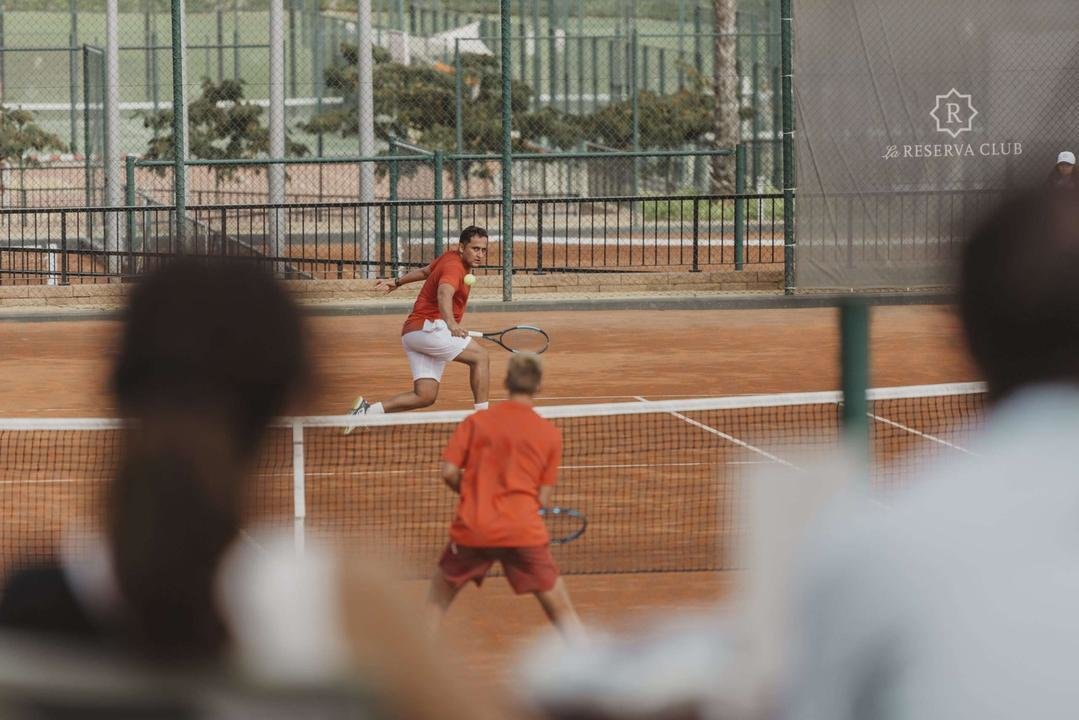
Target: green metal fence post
{"x": 88, "y": 175}
{"x": 635, "y": 111}
{"x": 507, "y": 155}
{"x": 787, "y": 38}
{"x": 458, "y": 123}
{"x": 179, "y": 177}
{"x": 395, "y": 259}
{"x": 755, "y": 121}
{"x": 73, "y": 74}
{"x": 777, "y": 129}
{"x": 854, "y": 360}
{"x": 739, "y": 205}
{"x": 319, "y": 58}
{"x": 438, "y": 162}
{"x": 129, "y": 198}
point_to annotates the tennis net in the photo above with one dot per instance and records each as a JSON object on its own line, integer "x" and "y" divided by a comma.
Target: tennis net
{"x": 657, "y": 480}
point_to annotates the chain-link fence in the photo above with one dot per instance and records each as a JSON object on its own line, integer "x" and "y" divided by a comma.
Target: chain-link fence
{"x": 589, "y": 77}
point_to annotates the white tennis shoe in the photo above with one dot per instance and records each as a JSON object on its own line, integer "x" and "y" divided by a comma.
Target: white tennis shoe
{"x": 360, "y": 407}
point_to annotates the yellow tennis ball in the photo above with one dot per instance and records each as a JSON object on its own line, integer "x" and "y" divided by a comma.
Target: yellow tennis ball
{"x": 470, "y": 279}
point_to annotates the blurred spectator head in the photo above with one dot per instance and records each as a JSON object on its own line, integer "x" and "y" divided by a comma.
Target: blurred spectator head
{"x": 209, "y": 354}
{"x": 1019, "y": 297}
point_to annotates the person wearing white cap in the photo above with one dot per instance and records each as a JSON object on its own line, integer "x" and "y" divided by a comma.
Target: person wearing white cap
{"x": 1062, "y": 177}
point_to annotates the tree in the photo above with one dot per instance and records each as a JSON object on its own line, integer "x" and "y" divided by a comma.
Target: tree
{"x": 20, "y": 138}
{"x": 725, "y": 94}
{"x": 416, "y": 103}
{"x": 221, "y": 126}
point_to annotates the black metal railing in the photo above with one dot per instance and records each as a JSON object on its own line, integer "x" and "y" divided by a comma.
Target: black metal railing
{"x": 356, "y": 240}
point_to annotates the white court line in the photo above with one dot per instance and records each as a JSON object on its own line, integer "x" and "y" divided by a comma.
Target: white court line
{"x": 919, "y": 433}
{"x": 358, "y": 473}
{"x": 614, "y": 466}
{"x": 55, "y": 481}
{"x": 728, "y": 438}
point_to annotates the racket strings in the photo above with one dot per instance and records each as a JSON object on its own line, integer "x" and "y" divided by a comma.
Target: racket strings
{"x": 525, "y": 340}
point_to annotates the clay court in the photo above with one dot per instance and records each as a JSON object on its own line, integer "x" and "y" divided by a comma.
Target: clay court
{"x": 58, "y": 369}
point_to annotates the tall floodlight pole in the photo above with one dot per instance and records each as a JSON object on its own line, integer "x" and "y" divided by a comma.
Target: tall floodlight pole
{"x": 179, "y": 118}
{"x": 276, "y": 171}
{"x": 365, "y": 100}
{"x": 507, "y": 154}
{"x": 113, "y": 174}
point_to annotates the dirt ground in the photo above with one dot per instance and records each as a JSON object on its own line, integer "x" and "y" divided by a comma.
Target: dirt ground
{"x": 59, "y": 369}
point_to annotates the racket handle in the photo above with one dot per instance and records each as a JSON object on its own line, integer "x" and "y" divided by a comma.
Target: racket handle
{"x": 475, "y": 333}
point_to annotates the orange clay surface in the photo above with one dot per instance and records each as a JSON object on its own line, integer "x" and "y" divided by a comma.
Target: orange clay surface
{"x": 58, "y": 369}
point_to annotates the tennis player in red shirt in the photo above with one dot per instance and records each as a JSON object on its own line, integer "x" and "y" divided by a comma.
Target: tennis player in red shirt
{"x": 432, "y": 334}
{"x": 503, "y": 462}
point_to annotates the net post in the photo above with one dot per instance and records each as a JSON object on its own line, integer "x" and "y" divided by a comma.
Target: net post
{"x": 739, "y": 206}
{"x": 786, "y": 40}
{"x": 299, "y": 500}
{"x": 854, "y": 361}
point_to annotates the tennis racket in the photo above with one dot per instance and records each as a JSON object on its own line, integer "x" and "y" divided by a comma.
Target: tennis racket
{"x": 564, "y": 525}
{"x": 519, "y": 338}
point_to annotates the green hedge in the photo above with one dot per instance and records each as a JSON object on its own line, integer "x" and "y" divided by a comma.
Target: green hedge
{"x": 712, "y": 211}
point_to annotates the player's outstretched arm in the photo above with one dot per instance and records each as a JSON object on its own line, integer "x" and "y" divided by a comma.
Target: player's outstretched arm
{"x": 390, "y": 284}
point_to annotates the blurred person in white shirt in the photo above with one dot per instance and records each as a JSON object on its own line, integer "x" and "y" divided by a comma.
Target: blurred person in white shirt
{"x": 959, "y": 600}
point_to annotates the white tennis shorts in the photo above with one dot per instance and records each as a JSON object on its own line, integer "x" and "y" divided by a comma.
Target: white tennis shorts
{"x": 429, "y": 350}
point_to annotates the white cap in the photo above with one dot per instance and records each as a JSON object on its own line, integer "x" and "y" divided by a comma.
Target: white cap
{"x": 1066, "y": 157}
